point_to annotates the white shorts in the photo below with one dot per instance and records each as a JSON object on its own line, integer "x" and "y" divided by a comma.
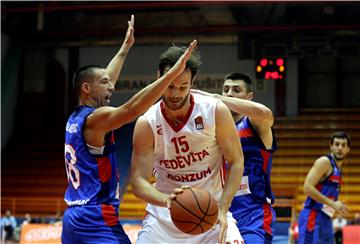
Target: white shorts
{"x": 156, "y": 229}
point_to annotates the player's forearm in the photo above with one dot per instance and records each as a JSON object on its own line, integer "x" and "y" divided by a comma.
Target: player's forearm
{"x": 146, "y": 191}
{"x": 312, "y": 192}
{"x": 144, "y": 99}
{"x": 115, "y": 66}
{"x": 136, "y": 106}
{"x": 233, "y": 179}
{"x": 246, "y": 107}
{"x": 117, "y": 62}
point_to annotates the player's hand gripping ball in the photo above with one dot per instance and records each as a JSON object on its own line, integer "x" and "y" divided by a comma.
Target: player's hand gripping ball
{"x": 194, "y": 211}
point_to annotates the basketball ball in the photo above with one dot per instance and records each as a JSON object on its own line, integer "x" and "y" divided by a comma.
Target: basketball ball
{"x": 194, "y": 211}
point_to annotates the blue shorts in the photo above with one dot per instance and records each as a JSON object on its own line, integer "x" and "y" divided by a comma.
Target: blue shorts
{"x": 92, "y": 224}
{"x": 315, "y": 227}
{"x": 256, "y": 224}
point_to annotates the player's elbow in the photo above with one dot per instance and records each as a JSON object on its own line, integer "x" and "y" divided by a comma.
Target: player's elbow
{"x": 266, "y": 114}
{"x": 238, "y": 166}
{"x": 133, "y": 111}
{"x": 307, "y": 189}
{"x": 135, "y": 188}
{"x": 241, "y": 166}
{"x": 241, "y": 161}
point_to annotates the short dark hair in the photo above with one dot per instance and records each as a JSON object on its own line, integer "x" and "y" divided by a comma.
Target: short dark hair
{"x": 342, "y": 135}
{"x": 82, "y": 74}
{"x": 240, "y": 76}
{"x": 171, "y": 56}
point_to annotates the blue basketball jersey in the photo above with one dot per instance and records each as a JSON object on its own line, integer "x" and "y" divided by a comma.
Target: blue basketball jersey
{"x": 257, "y": 167}
{"x": 92, "y": 194}
{"x": 93, "y": 179}
{"x": 315, "y": 224}
{"x": 330, "y": 187}
{"x": 251, "y": 204}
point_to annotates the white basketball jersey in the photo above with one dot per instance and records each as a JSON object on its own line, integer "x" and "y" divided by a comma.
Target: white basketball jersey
{"x": 187, "y": 154}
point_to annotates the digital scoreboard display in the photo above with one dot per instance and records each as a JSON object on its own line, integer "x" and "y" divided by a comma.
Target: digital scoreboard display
{"x": 270, "y": 69}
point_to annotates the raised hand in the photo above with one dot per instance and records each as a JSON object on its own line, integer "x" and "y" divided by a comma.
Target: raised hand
{"x": 129, "y": 37}
{"x": 116, "y": 63}
{"x": 180, "y": 65}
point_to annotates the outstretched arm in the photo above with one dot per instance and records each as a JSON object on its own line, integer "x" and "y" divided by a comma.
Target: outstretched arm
{"x": 107, "y": 118}
{"x": 116, "y": 64}
{"x": 260, "y": 116}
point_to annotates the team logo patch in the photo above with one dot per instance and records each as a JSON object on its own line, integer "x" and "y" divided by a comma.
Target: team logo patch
{"x": 199, "y": 125}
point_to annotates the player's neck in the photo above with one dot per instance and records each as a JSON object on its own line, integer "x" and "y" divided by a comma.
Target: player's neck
{"x": 88, "y": 102}
{"x": 338, "y": 162}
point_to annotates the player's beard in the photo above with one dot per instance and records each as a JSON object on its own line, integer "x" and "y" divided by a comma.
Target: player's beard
{"x": 178, "y": 107}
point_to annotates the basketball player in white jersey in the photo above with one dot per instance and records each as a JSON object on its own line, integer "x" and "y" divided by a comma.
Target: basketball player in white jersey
{"x": 182, "y": 140}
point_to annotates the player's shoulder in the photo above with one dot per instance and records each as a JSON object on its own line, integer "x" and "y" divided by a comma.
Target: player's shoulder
{"x": 322, "y": 162}
{"x": 153, "y": 109}
{"x": 81, "y": 111}
{"x": 323, "y": 158}
{"x": 143, "y": 123}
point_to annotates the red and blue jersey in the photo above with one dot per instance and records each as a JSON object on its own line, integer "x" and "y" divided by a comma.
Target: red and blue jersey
{"x": 315, "y": 224}
{"x": 257, "y": 166}
{"x": 93, "y": 178}
{"x": 251, "y": 204}
{"x": 329, "y": 187}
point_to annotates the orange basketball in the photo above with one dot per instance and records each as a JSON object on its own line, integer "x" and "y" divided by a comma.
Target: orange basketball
{"x": 194, "y": 211}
